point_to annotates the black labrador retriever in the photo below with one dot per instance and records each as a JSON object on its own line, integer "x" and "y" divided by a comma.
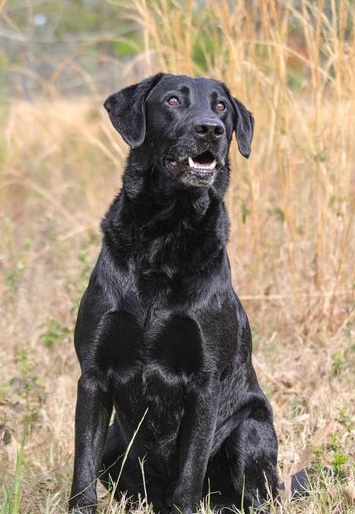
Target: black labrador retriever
{"x": 161, "y": 335}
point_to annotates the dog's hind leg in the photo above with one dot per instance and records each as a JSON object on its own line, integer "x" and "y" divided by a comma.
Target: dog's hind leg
{"x": 252, "y": 452}
{"x": 247, "y": 461}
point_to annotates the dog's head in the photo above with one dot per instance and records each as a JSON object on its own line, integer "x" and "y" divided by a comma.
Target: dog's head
{"x": 183, "y": 124}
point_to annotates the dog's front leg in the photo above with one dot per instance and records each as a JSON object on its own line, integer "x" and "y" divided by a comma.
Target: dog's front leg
{"x": 92, "y": 416}
{"x": 197, "y": 435}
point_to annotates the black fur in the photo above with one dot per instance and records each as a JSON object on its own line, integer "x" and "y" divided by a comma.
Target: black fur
{"x": 161, "y": 335}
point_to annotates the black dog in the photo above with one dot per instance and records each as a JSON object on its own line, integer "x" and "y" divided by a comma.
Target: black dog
{"x": 161, "y": 335}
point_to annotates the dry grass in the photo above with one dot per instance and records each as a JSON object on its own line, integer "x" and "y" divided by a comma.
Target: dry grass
{"x": 292, "y": 244}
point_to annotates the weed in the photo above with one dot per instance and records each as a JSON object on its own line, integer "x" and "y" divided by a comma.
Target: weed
{"x": 330, "y": 459}
{"x": 13, "y": 494}
{"x": 339, "y": 362}
{"x": 346, "y": 418}
{"x": 55, "y": 333}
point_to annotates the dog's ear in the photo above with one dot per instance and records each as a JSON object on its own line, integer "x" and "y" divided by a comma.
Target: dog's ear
{"x": 243, "y": 124}
{"x": 244, "y": 127}
{"x": 127, "y": 110}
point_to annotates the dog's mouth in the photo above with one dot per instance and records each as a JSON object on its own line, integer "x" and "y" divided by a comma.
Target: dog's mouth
{"x": 198, "y": 170}
{"x": 204, "y": 161}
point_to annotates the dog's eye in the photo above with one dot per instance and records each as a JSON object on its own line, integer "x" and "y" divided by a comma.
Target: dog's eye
{"x": 221, "y": 106}
{"x": 173, "y": 101}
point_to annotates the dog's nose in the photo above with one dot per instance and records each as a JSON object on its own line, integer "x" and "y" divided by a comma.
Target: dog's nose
{"x": 209, "y": 128}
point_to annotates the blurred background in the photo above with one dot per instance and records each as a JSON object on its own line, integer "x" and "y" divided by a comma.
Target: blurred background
{"x": 68, "y": 47}
{"x": 292, "y": 242}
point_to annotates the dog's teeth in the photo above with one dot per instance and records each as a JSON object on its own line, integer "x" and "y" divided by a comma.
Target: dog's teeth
{"x": 191, "y": 163}
{"x": 199, "y": 166}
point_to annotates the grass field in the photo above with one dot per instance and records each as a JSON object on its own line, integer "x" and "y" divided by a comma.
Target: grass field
{"x": 292, "y": 243}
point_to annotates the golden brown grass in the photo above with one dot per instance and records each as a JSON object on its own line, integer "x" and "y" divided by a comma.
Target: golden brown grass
{"x": 292, "y": 243}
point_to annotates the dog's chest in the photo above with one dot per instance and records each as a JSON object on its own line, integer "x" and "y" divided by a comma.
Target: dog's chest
{"x": 149, "y": 366}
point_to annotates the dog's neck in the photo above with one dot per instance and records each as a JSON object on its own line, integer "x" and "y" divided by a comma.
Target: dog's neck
{"x": 147, "y": 212}
{"x": 170, "y": 239}
{"x": 148, "y": 184}
{"x": 150, "y": 215}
